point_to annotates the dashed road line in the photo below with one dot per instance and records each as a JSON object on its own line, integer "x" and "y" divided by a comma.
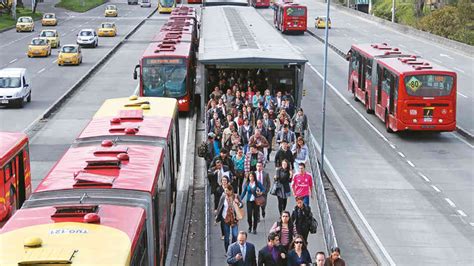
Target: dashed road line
{"x": 437, "y": 61}
{"x": 54, "y": 61}
{"x": 401, "y": 154}
{"x": 393, "y": 146}
{"x": 462, "y": 95}
{"x": 463, "y": 214}
{"x": 450, "y": 202}
{"x": 41, "y": 70}
{"x": 472, "y": 224}
{"x": 13, "y": 61}
{"x": 410, "y": 163}
{"x": 436, "y": 188}
{"x": 424, "y": 177}
{"x": 462, "y": 140}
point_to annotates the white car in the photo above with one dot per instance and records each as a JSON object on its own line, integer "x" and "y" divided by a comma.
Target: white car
{"x": 15, "y": 87}
{"x": 87, "y": 37}
{"x": 145, "y": 3}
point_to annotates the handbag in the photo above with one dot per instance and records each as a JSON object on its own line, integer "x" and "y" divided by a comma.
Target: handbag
{"x": 260, "y": 200}
{"x": 313, "y": 226}
{"x": 274, "y": 189}
{"x": 240, "y": 212}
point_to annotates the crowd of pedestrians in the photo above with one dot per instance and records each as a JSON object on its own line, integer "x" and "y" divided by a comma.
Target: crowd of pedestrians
{"x": 245, "y": 122}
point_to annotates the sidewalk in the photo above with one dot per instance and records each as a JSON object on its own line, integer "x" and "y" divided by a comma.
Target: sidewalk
{"x": 217, "y": 252}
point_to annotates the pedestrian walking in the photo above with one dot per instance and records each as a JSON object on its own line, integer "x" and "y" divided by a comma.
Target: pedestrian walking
{"x": 252, "y": 189}
{"x": 241, "y": 253}
{"x": 252, "y": 158}
{"x": 273, "y": 254}
{"x": 245, "y": 132}
{"x": 218, "y": 195}
{"x": 286, "y": 134}
{"x": 335, "y": 258}
{"x": 300, "y": 123}
{"x": 281, "y": 183}
{"x": 227, "y": 215}
{"x": 284, "y": 153}
{"x": 320, "y": 258}
{"x": 302, "y": 218}
{"x": 299, "y": 254}
{"x": 285, "y": 229}
{"x": 214, "y": 175}
{"x": 269, "y": 126}
{"x": 239, "y": 162}
{"x": 302, "y": 185}
{"x": 300, "y": 152}
{"x": 264, "y": 178}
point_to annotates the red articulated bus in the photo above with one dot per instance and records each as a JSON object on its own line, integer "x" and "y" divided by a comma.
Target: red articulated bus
{"x": 109, "y": 199}
{"x": 15, "y": 173}
{"x": 405, "y": 92}
{"x": 290, "y": 17}
{"x": 260, "y": 3}
{"x": 168, "y": 66}
{"x": 184, "y": 11}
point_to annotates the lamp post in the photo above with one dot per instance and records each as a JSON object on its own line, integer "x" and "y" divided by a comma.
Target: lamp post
{"x": 14, "y": 9}
{"x": 326, "y": 37}
{"x": 393, "y": 10}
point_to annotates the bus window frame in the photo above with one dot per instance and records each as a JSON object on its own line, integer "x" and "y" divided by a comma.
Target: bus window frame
{"x": 140, "y": 254}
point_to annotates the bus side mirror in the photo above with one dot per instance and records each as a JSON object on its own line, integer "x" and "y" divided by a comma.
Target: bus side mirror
{"x": 135, "y": 74}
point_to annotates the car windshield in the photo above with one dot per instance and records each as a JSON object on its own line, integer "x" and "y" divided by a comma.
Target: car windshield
{"x": 107, "y": 25}
{"x": 69, "y": 49}
{"x": 166, "y": 3}
{"x": 429, "y": 85}
{"x": 24, "y": 20}
{"x": 38, "y": 42}
{"x": 164, "y": 80}
{"x": 49, "y": 16}
{"x": 296, "y": 11}
{"x": 111, "y": 7}
{"x": 48, "y": 34}
{"x": 85, "y": 33}
{"x": 10, "y": 82}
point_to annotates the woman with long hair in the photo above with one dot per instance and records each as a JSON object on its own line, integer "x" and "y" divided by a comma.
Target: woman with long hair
{"x": 299, "y": 253}
{"x": 252, "y": 189}
{"x": 238, "y": 160}
{"x": 300, "y": 152}
{"x": 227, "y": 215}
{"x": 283, "y": 177}
{"x": 285, "y": 229}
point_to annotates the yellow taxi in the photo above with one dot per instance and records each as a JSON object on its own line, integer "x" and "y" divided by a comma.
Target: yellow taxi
{"x": 39, "y": 47}
{"x": 70, "y": 54}
{"x": 25, "y": 24}
{"x": 107, "y": 29}
{"x": 111, "y": 11}
{"x": 52, "y": 36}
{"x": 320, "y": 22}
{"x": 49, "y": 19}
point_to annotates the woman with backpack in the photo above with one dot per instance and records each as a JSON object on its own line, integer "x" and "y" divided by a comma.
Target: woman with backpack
{"x": 302, "y": 217}
{"x": 285, "y": 229}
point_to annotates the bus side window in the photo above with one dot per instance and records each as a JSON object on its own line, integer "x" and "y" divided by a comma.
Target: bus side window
{"x": 140, "y": 254}
{"x": 7, "y": 172}
{"x": 368, "y": 69}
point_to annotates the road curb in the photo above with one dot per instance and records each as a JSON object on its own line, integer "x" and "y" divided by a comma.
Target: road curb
{"x": 448, "y": 43}
{"x": 465, "y": 133}
{"x": 31, "y": 129}
{"x": 179, "y": 231}
{"x": 366, "y": 233}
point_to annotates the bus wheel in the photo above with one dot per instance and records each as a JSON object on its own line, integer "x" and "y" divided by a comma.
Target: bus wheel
{"x": 387, "y": 123}
{"x": 367, "y": 107}
{"x": 354, "y": 93}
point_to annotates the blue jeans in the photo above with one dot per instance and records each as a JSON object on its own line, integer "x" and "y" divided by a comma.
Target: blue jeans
{"x": 306, "y": 200}
{"x": 234, "y": 230}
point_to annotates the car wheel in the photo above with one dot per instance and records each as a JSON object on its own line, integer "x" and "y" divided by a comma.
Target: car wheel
{"x": 29, "y": 97}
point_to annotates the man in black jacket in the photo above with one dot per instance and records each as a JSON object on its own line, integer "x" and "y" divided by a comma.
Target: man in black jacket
{"x": 225, "y": 159}
{"x": 273, "y": 253}
{"x": 284, "y": 153}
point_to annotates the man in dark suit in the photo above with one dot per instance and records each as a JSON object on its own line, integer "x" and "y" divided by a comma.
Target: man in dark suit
{"x": 241, "y": 253}
{"x": 269, "y": 126}
{"x": 273, "y": 254}
{"x": 214, "y": 175}
{"x": 264, "y": 178}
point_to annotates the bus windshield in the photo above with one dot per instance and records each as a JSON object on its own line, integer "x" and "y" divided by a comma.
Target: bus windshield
{"x": 295, "y": 11}
{"x": 166, "y": 3}
{"x": 429, "y": 85}
{"x": 164, "y": 80}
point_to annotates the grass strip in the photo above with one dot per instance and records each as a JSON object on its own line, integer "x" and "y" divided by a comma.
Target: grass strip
{"x": 6, "y": 20}
{"x": 79, "y": 5}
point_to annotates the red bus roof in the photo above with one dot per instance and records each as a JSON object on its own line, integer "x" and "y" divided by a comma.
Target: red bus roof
{"x": 184, "y": 35}
{"x": 160, "y": 49}
{"x": 125, "y": 219}
{"x": 288, "y": 4}
{"x": 10, "y": 143}
{"x": 372, "y": 50}
{"x": 412, "y": 65}
{"x": 150, "y": 126}
{"x": 101, "y": 167}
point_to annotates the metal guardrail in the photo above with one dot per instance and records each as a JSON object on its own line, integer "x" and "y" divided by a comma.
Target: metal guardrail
{"x": 328, "y": 228}
{"x": 207, "y": 202}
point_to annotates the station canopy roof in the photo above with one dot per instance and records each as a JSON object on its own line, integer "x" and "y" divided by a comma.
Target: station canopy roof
{"x": 233, "y": 35}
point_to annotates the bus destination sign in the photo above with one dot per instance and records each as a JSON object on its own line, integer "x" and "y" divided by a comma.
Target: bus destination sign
{"x": 163, "y": 61}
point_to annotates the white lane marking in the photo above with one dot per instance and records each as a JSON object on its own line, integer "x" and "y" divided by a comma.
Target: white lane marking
{"x": 54, "y": 61}
{"x": 13, "y": 61}
{"x": 73, "y": 30}
{"x": 410, "y": 163}
{"x": 462, "y": 140}
{"x": 450, "y": 202}
{"x": 461, "y": 213}
{"x": 181, "y": 176}
{"x": 445, "y": 55}
{"x": 136, "y": 89}
{"x": 460, "y": 70}
{"x": 418, "y": 52}
{"x": 401, "y": 154}
{"x": 462, "y": 95}
{"x": 472, "y": 224}
{"x": 299, "y": 48}
{"x": 41, "y": 70}
{"x": 424, "y": 177}
{"x": 436, "y": 60}
{"x": 349, "y": 104}
{"x": 436, "y": 188}
{"x": 393, "y": 146}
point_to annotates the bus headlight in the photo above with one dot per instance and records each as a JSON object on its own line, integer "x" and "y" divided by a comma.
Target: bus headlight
{"x": 440, "y": 120}
{"x": 415, "y": 121}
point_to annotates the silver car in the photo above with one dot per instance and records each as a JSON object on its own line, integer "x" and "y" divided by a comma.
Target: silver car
{"x": 87, "y": 37}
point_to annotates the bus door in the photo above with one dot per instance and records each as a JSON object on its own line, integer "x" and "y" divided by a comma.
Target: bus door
{"x": 360, "y": 71}
{"x": 392, "y": 94}
{"x": 379, "y": 78}
{"x": 21, "y": 179}
{"x": 374, "y": 82}
{"x": 10, "y": 185}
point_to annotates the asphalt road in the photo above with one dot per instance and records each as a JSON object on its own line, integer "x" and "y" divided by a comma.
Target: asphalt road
{"x": 415, "y": 190}
{"x": 49, "y": 81}
{"x": 348, "y": 29}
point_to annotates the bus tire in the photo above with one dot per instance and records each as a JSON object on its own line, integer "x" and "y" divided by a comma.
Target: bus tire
{"x": 387, "y": 123}
{"x": 354, "y": 92}
{"x": 367, "y": 107}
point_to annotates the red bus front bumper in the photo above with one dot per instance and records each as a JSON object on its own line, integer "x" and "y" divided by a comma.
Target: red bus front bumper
{"x": 425, "y": 126}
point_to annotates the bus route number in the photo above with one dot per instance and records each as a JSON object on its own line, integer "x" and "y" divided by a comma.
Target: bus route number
{"x": 414, "y": 84}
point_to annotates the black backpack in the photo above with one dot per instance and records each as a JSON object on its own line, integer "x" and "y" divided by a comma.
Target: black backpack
{"x": 202, "y": 149}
